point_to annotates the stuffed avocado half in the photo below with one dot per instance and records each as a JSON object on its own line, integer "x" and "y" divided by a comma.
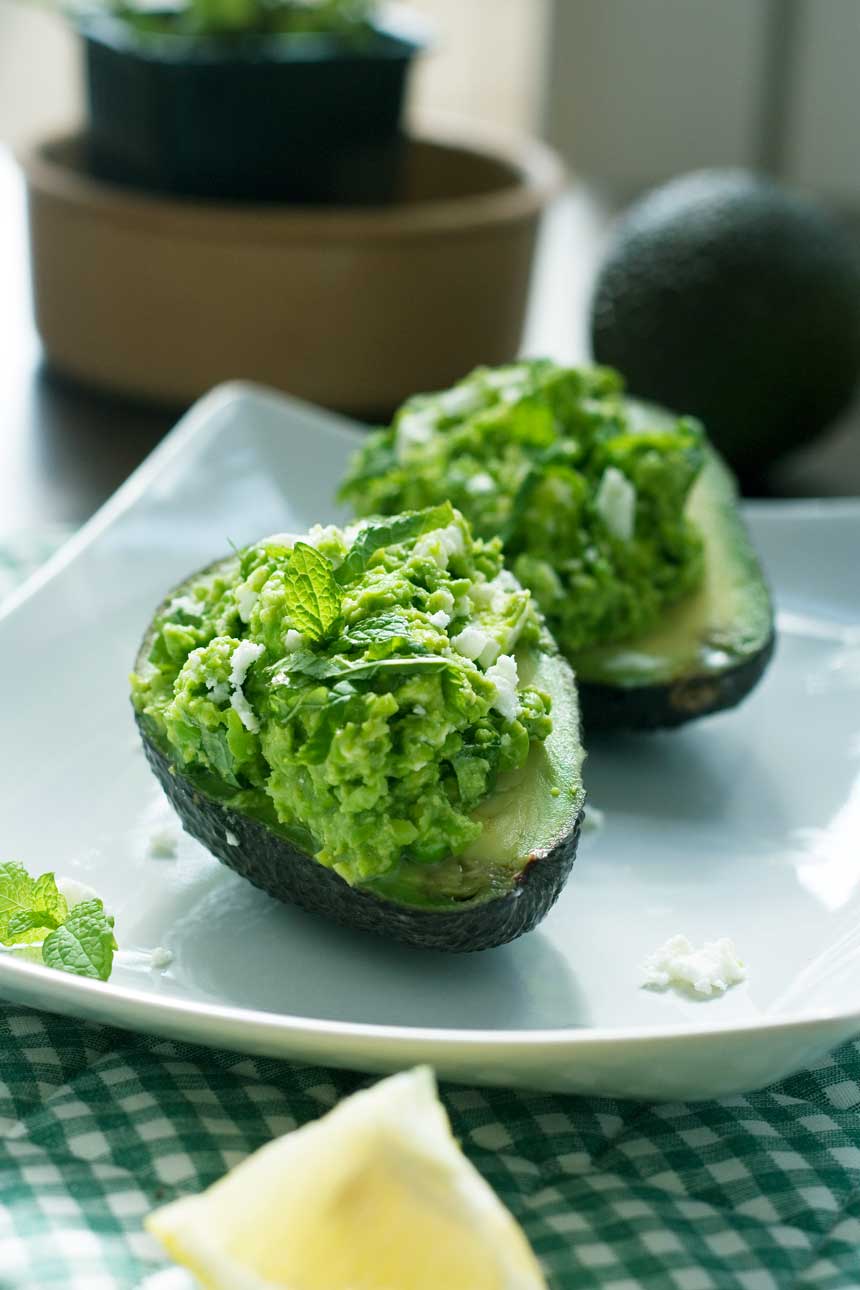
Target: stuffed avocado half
{"x": 619, "y": 516}
{"x": 372, "y": 723}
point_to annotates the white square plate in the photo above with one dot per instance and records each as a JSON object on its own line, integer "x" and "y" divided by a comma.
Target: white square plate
{"x": 744, "y": 825}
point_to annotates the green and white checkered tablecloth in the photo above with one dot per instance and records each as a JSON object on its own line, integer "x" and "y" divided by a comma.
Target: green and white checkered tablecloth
{"x": 98, "y": 1126}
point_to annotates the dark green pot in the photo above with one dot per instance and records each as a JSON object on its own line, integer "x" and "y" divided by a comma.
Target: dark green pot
{"x": 262, "y": 118}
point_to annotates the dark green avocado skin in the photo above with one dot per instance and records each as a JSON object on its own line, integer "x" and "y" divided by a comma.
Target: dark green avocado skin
{"x": 659, "y": 707}
{"x": 732, "y": 298}
{"x": 270, "y": 862}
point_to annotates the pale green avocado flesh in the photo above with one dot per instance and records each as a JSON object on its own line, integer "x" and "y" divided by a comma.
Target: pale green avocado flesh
{"x": 724, "y": 624}
{"x": 529, "y": 811}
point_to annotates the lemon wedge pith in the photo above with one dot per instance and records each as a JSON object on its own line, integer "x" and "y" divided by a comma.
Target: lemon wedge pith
{"x": 376, "y": 1195}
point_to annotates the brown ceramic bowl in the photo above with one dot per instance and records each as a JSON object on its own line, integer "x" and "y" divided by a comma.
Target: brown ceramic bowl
{"x": 353, "y": 308}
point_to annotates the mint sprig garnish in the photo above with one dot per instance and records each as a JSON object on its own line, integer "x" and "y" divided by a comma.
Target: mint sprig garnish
{"x": 28, "y": 904}
{"x": 306, "y": 663}
{"x": 84, "y": 944}
{"x": 382, "y": 533}
{"x": 80, "y": 940}
{"x": 313, "y": 595}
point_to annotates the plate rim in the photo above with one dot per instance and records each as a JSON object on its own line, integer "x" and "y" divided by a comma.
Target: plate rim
{"x": 65, "y": 984}
{"x": 67, "y": 988}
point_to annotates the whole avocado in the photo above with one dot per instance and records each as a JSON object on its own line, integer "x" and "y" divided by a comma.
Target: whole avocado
{"x": 727, "y": 296}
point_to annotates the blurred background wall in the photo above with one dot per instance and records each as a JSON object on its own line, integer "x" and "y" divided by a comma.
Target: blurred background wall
{"x": 639, "y": 90}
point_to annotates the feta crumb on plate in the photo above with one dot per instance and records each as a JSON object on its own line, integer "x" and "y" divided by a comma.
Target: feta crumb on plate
{"x": 160, "y": 958}
{"x": 708, "y": 971}
{"x": 163, "y": 844}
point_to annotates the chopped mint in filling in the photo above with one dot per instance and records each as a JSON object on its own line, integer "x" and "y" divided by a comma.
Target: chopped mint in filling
{"x": 360, "y": 685}
{"x": 586, "y": 489}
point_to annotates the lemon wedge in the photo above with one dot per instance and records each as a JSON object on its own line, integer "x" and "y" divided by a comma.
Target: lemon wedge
{"x": 376, "y": 1195}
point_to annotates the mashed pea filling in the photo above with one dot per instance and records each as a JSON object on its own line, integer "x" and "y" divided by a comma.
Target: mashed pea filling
{"x": 357, "y": 688}
{"x": 586, "y": 489}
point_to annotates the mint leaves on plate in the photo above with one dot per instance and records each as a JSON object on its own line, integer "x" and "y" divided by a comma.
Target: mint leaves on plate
{"x": 34, "y": 910}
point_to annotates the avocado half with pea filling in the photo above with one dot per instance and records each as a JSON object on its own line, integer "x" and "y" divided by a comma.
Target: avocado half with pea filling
{"x": 709, "y": 650}
{"x": 618, "y": 515}
{"x": 372, "y": 724}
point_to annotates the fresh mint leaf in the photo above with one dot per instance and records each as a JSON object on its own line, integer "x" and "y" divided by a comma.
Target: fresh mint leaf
{"x": 419, "y": 665}
{"x": 313, "y": 595}
{"x": 29, "y": 920}
{"x": 81, "y": 941}
{"x": 316, "y": 667}
{"x": 304, "y": 663}
{"x": 379, "y": 627}
{"x": 84, "y": 944}
{"x": 22, "y": 896}
{"x": 381, "y": 635}
{"x": 382, "y": 533}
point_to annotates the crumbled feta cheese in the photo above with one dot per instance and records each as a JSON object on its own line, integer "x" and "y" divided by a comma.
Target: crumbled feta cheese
{"x": 414, "y": 429}
{"x": 616, "y": 503}
{"x": 480, "y": 484}
{"x": 187, "y": 603}
{"x": 293, "y": 640}
{"x": 451, "y": 539}
{"x": 246, "y": 599}
{"x": 246, "y": 713}
{"x": 219, "y": 691}
{"x": 281, "y": 678}
{"x": 160, "y": 958}
{"x": 489, "y": 654}
{"x": 245, "y": 653}
{"x": 459, "y": 401}
{"x": 163, "y": 844}
{"x": 243, "y": 656}
{"x": 440, "y": 619}
{"x": 497, "y": 593}
{"x": 441, "y": 544}
{"x": 471, "y": 642}
{"x": 321, "y": 533}
{"x": 504, "y": 678}
{"x": 709, "y": 970}
{"x": 482, "y": 593}
{"x": 420, "y": 710}
{"x": 286, "y": 540}
{"x": 75, "y": 891}
{"x": 230, "y": 838}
